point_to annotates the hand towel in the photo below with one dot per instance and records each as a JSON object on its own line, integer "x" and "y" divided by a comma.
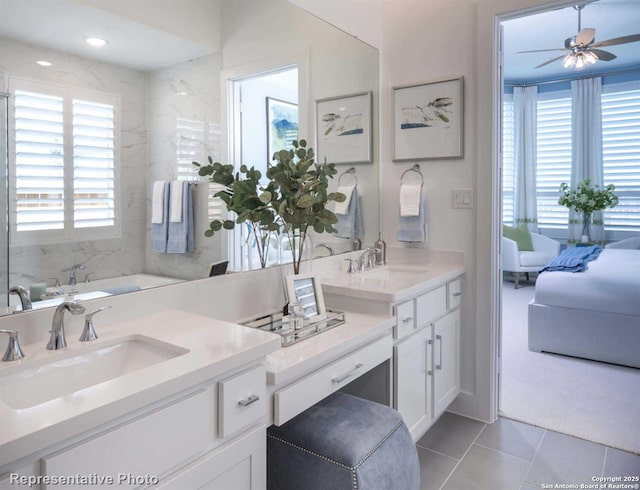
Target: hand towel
{"x": 410, "y": 195}
{"x": 157, "y": 202}
{"x": 159, "y": 230}
{"x": 181, "y": 238}
{"x": 343, "y": 207}
{"x": 350, "y": 225}
{"x": 413, "y": 228}
{"x": 175, "y": 209}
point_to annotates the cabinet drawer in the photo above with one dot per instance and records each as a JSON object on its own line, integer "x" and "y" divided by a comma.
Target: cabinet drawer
{"x": 242, "y": 401}
{"x": 405, "y": 319}
{"x": 430, "y": 306}
{"x": 453, "y": 294}
{"x": 152, "y": 445}
{"x": 299, "y": 396}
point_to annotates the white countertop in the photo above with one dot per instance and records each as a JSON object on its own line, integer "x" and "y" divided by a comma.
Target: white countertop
{"x": 292, "y": 362}
{"x": 397, "y": 281}
{"x": 215, "y": 347}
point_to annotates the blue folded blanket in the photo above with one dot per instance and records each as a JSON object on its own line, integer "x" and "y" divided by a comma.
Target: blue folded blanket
{"x": 573, "y": 259}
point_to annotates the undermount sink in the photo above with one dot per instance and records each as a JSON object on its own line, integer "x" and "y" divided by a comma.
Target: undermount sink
{"x": 35, "y": 383}
{"x": 387, "y": 273}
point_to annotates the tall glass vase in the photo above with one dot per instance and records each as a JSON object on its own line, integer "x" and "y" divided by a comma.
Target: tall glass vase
{"x": 586, "y": 228}
{"x": 296, "y": 248}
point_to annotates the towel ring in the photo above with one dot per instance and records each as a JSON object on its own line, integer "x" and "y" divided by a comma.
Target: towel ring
{"x": 416, "y": 169}
{"x": 352, "y": 172}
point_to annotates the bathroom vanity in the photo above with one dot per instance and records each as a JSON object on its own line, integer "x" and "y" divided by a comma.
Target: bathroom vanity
{"x": 178, "y": 399}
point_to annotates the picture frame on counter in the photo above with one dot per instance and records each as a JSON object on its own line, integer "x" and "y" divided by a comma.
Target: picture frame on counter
{"x": 343, "y": 129}
{"x": 428, "y": 121}
{"x": 306, "y": 290}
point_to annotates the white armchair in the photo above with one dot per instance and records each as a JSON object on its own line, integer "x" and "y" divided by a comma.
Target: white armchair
{"x": 544, "y": 250}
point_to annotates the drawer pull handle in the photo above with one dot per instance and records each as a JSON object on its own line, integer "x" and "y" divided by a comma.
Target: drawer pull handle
{"x": 340, "y": 379}
{"x": 439, "y": 337}
{"x": 407, "y": 320}
{"x": 457, "y": 294}
{"x": 248, "y": 401}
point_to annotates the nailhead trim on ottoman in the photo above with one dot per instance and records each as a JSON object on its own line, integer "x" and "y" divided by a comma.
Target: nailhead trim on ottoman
{"x": 342, "y": 442}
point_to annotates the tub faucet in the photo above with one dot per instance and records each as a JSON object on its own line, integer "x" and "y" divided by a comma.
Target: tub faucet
{"x": 325, "y": 246}
{"x": 23, "y": 294}
{"x": 57, "y": 340}
{"x": 72, "y": 277}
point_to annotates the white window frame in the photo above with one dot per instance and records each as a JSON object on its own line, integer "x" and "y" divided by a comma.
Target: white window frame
{"x": 69, "y": 233}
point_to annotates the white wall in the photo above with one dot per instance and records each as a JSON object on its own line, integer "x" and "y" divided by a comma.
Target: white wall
{"x": 273, "y": 33}
{"x": 105, "y": 258}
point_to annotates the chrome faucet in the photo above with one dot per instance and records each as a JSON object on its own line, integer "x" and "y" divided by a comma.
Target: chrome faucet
{"x": 23, "y": 294}
{"x": 324, "y": 245}
{"x": 13, "y": 352}
{"x": 72, "y": 277}
{"x": 367, "y": 259}
{"x": 57, "y": 340}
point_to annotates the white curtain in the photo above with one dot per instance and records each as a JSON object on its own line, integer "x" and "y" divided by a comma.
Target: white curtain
{"x": 525, "y": 155}
{"x": 586, "y": 162}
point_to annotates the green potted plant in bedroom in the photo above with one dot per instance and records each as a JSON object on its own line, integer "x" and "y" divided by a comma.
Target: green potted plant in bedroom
{"x": 301, "y": 195}
{"x": 586, "y": 199}
{"x": 248, "y": 199}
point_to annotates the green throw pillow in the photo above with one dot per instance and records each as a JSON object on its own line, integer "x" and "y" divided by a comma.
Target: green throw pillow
{"x": 520, "y": 235}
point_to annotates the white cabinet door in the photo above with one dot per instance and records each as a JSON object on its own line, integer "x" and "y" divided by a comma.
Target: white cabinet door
{"x": 239, "y": 465}
{"x": 413, "y": 381}
{"x": 446, "y": 354}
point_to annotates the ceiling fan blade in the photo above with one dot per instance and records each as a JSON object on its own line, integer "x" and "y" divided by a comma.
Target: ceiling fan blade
{"x": 603, "y": 55}
{"x": 618, "y": 40}
{"x": 541, "y": 50}
{"x": 550, "y": 61}
{"x": 585, "y": 36}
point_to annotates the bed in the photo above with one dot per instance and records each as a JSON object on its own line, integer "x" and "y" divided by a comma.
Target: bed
{"x": 593, "y": 314}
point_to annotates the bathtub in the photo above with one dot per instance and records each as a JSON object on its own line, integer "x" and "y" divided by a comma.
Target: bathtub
{"x": 99, "y": 288}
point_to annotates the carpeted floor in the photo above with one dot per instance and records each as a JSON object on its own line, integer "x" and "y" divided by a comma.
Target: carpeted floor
{"x": 592, "y": 400}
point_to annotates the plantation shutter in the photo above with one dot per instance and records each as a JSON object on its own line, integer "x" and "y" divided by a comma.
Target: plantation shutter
{"x": 621, "y": 153}
{"x": 507, "y": 160}
{"x": 554, "y": 157}
{"x": 93, "y": 164}
{"x": 39, "y": 161}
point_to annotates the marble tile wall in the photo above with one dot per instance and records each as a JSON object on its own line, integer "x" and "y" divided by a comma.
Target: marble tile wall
{"x": 184, "y": 125}
{"x": 106, "y": 257}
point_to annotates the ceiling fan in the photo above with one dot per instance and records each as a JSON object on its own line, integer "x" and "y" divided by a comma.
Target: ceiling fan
{"x": 582, "y": 51}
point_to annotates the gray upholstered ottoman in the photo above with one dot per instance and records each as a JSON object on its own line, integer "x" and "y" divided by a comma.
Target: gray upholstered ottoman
{"x": 343, "y": 442}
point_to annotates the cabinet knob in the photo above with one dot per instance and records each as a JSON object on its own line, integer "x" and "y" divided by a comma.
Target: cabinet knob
{"x": 457, "y": 294}
{"x": 407, "y": 319}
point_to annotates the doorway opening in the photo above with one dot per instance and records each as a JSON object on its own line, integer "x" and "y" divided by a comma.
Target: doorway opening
{"x": 263, "y": 119}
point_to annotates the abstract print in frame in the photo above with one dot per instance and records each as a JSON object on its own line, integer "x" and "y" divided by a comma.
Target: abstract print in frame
{"x": 343, "y": 129}
{"x": 428, "y": 121}
{"x": 282, "y": 125}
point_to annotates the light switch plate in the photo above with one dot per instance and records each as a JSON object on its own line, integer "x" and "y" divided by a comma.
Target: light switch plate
{"x": 463, "y": 198}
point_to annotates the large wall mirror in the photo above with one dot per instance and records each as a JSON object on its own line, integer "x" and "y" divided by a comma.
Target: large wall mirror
{"x": 91, "y": 128}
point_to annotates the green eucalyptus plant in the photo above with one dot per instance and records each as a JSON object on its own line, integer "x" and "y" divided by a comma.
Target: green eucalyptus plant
{"x": 250, "y": 201}
{"x": 301, "y": 195}
{"x": 293, "y": 201}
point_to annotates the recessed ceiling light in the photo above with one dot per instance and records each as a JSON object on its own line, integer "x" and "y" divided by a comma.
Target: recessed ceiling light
{"x": 43, "y": 63}
{"x": 96, "y": 41}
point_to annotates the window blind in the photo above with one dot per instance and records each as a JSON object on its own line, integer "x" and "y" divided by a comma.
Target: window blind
{"x": 93, "y": 164}
{"x": 507, "y": 160}
{"x": 621, "y": 154}
{"x": 39, "y": 161}
{"x": 554, "y": 157}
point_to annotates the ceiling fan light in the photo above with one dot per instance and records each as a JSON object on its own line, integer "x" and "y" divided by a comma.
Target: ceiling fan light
{"x": 580, "y": 64}
{"x": 590, "y": 58}
{"x": 569, "y": 61}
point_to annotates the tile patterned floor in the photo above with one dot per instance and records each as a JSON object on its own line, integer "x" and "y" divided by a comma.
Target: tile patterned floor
{"x": 459, "y": 453}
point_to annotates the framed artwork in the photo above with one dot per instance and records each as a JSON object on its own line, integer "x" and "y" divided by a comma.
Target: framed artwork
{"x": 343, "y": 129}
{"x": 282, "y": 125}
{"x": 428, "y": 121}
